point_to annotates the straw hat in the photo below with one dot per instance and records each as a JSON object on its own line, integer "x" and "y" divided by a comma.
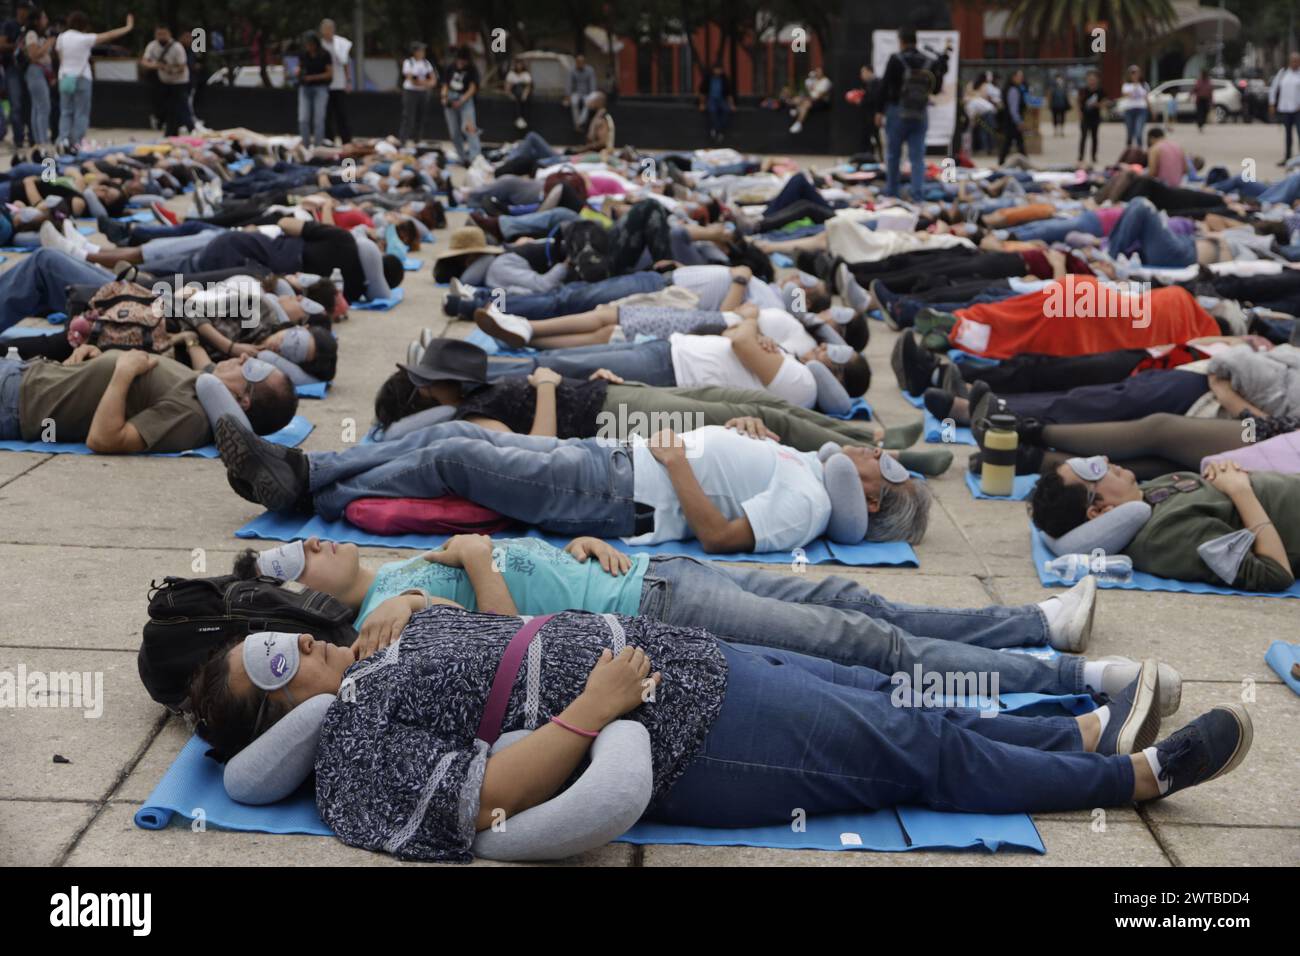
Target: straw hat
{"x": 467, "y": 241}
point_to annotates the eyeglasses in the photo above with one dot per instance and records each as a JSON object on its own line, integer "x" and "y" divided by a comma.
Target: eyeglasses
{"x": 1181, "y": 486}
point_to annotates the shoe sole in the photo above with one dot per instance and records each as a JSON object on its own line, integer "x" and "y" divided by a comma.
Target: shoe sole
{"x": 896, "y": 362}
{"x": 1142, "y": 725}
{"x": 484, "y": 320}
{"x": 238, "y": 453}
{"x": 1244, "y": 741}
{"x": 1080, "y": 643}
{"x": 885, "y": 314}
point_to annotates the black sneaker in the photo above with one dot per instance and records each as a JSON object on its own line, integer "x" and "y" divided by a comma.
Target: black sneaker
{"x": 1210, "y": 746}
{"x": 954, "y": 382}
{"x": 274, "y": 476}
{"x": 885, "y": 299}
{"x": 1134, "y": 717}
{"x": 118, "y": 233}
{"x": 938, "y": 402}
{"x": 913, "y": 366}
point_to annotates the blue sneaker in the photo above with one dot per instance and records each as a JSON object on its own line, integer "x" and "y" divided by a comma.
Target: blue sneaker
{"x": 1210, "y": 746}
{"x": 1134, "y": 715}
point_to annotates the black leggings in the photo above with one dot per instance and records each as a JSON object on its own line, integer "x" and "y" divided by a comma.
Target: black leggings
{"x": 1088, "y": 126}
{"x": 1176, "y": 201}
{"x": 935, "y": 274}
{"x": 53, "y": 346}
{"x": 1054, "y": 373}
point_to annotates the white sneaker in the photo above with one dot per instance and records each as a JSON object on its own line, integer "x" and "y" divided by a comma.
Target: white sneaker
{"x": 51, "y": 238}
{"x": 797, "y": 127}
{"x": 1122, "y": 671}
{"x": 460, "y": 289}
{"x": 514, "y": 331}
{"x": 1072, "y": 628}
{"x": 71, "y": 234}
{"x": 851, "y": 290}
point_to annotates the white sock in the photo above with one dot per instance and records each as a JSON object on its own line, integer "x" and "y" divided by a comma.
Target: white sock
{"x": 1093, "y": 674}
{"x": 1153, "y": 759}
{"x": 1052, "y": 608}
{"x": 1103, "y": 715}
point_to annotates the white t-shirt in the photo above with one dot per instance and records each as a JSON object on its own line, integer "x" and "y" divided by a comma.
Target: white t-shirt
{"x": 34, "y": 37}
{"x": 787, "y": 331}
{"x": 340, "y": 48}
{"x": 522, "y": 78}
{"x": 818, "y": 86}
{"x": 1134, "y": 96}
{"x": 74, "y": 53}
{"x": 173, "y": 57}
{"x": 778, "y": 489}
{"x": 700, "y": 360}
{"x": 412, "y": 70}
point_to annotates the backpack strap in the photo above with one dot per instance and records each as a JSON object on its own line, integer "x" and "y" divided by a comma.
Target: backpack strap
{"x": 494, "y": 712}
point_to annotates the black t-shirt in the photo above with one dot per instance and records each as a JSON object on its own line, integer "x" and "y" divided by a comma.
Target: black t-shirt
{"x": 313, "y": 64}
{"x": 326, "y": 248}
{"x": 14, "y": 32}
{"x": 513, "y": 402}
{"x": 459, "y": 80}
{"x": 541, "y": 254}
{"x": 282, "y": 255}
{"x": 1090, "y": 102}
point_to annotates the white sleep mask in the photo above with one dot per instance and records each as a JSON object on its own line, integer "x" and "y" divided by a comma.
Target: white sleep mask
{"x": 840, "y": 354}
{"x": 295, "y": 344}
{"x": 893, "y": 470}
{"x": 1089, "y": 469}
{"x": 311, "y": 306}
{"x": 285, "y": 563}
{"x": 271, "y": 658}
{"x": 841, "y": 314}
{"x": 255, "y": 370}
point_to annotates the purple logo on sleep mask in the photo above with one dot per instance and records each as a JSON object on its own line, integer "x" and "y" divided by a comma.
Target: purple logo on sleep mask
{"x": 279, "y": 664}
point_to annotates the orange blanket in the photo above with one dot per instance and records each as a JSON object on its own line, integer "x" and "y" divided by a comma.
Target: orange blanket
{"x": 1081, "y": 315}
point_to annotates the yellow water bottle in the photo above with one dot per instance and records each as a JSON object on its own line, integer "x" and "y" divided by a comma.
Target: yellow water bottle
{"x": 998, "y": 460}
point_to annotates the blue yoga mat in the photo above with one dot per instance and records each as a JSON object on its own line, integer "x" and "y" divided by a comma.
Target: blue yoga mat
{"x": 1282, "y": 656}
{"x": 1146, "y": 582}
{"x": 290, "y": 436}
{"x": 412, "y": 264}
{"x": 961, "y": 434}
{"x": 195, "y": 781}
{"x": 274, "y": 526}
{"x": 380, "y": 305}
{"x": 1021, "y": 488}
{"x": 314, "y": 390}
{"x": 490, "y": 345}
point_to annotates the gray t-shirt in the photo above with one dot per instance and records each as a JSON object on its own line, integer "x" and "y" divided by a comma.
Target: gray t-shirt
{"x": 175, "y": 69}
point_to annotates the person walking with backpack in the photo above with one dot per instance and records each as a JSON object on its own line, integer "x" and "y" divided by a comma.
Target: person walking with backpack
{"x": 910, "y": 77}
{"x": 1013, "y": 115}
{"x": 165, "y": 59}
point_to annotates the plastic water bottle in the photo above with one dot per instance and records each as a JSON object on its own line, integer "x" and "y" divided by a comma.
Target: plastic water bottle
{"x": 12, "y": 355}
{"x": 337, "y": 278}
{"x": 1070, "y": 568}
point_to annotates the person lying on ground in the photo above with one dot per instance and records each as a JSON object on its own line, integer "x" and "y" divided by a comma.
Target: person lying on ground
{"x": 123, "y": 402}
{"x": 399, "y": 768}
{"x": 729, "y": 491}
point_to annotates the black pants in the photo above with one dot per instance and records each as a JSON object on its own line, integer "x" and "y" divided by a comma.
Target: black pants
{"x": 1044, "y": 373}
{"x": 1174, "y": 199}
{"x": 1012, "y": 137}
{"x": 336, "y": 117}
{"x": 942, "y": 271}
{"x": 871, "y": 138}
{"x": 1202, "y": 111}
{"x": 1088, "y": 126}
{"x": 799, "y": 209}
{"x": 1136, "y": 396}
{"x": 175, "y": 107}
{"x": 1289, "y": 121}
{"x": 643, "y": 227}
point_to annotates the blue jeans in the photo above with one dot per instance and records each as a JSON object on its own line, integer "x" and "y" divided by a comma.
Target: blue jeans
{"x": 1239, "y": 185}
{"x": 1135, "y": 121}
{"x": 897, "y": 132}
{"x": 797, "y": 188}
{"x": 797, "y": 732}
{"x": 839, "y": 620}
{"x": 567, "y": 486}
{"x": 534, "y": 224}
{"x": 466, "y": 143}
{"x": 312, "y": 103}
{"x": 533, "y": 146}
{"x": 143, "y": 232}
{"x": 38, "y": 284}
{"x": 16, "y": 87}
{"x": 74, "y": 112}
{"x": 719, "y": 115}
{"x": 650, "y": 363}
{"x": 1286, "y": 192}
{"x": 1055, "y": 230}
{"x": 1140, "y": 229}
{"x": 11, "y": 381}
{"x": 570, "y": 298}
{"x": 38, "y": 89}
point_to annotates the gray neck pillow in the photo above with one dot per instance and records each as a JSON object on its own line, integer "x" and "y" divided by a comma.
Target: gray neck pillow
{"x": 291, "y": 369}
{"x": 217, "y": 401}
{"x": 831, "y": 396}
{"x": 1110, "y": 532}
{"x": 372, "y": 264}
{"x": 849, "y": 515}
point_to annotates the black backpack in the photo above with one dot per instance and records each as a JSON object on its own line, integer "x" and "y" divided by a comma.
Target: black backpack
{"x": 189, "y": 618}
{"x": 917, "y": 85}
{"x": 587, "y": 249}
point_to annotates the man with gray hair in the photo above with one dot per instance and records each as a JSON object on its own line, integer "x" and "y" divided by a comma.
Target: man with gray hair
{"x": 340, "y": 50}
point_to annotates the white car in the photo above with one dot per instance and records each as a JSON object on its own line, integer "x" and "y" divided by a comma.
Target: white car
{"x": 1224, "y": 104}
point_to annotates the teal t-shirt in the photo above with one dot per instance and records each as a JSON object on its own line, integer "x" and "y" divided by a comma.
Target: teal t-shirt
{"x": 541, "y": 578}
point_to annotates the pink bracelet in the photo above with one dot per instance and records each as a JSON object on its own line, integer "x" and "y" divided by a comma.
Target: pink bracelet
{"x": 581, "y": 733}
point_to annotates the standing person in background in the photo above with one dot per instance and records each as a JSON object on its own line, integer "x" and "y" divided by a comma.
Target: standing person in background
{"x": 14, "y": 60}
{"x": 419, "y": 77}
{"x": 910, "y": 77}
{"x": 1284, "y": 100}
{"x": 1060, "y": 105}
{"x": 578, "y": 85}
{"x": 519, "y": 83}
{"x": 459, "y": 86}
{"x": 76, "y": 81}
{"x": 165, "y": 59}
{"x": 315, "y": 67}
{"x": 1203, "y": 91}
{"x": 717, "y": 100}
{"x": 979, "y": 108}
{"x": 39, "y": 46}
{"x": 340, "y": 50}
{"x": 1013, "y": 115}
{"x": 1091, "y": 100}
{"x": 1133, "y": 102}
{"x": 873, "y": 115}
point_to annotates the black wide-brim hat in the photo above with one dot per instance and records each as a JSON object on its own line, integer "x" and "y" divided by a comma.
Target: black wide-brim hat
{"x": 448, "y": 360}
